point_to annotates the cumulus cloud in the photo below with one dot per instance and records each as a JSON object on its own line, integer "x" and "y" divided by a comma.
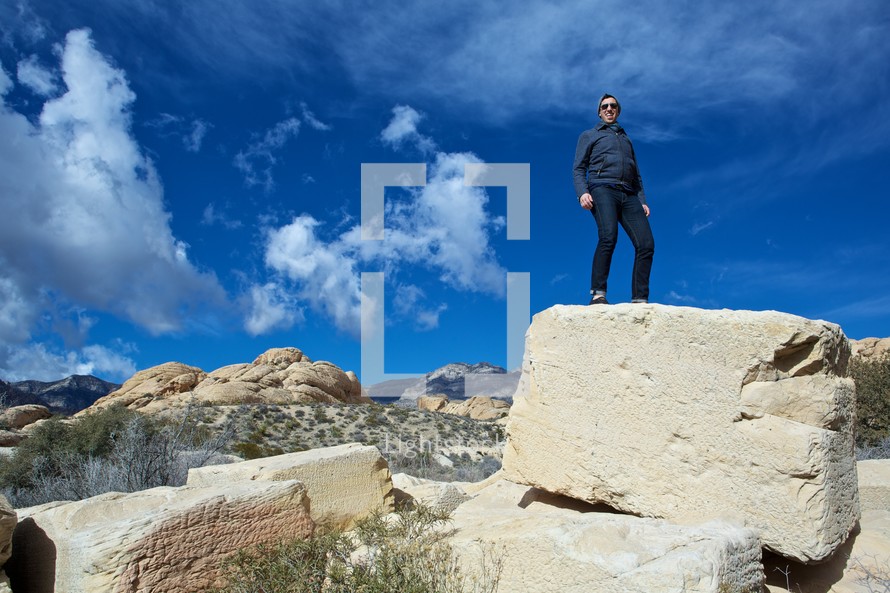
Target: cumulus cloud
{"x": 402, "y": 129}
{"x": 37, "y": 362}
{"x": 84, "y": 222}
{"x": 271, "y": 307}
{"x": 257, "y": 160}
{"x": 443, "y": 227}
{"x": 37, "y": 78}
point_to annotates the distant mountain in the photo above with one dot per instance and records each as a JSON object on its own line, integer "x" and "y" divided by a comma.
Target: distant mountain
{"x": 457, "y": 380}
{"x": 66, "y": 396}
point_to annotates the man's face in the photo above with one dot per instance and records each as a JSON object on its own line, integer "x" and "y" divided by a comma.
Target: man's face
{"x": 609, "y": 110}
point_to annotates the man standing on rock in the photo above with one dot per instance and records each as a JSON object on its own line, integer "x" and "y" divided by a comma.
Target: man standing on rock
{"x": 607, "y": 182}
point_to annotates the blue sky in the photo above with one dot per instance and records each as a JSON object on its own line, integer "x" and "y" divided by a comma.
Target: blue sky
{"x": 181, "y": 180}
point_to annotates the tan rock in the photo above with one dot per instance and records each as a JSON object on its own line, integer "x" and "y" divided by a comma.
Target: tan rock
{"x": 345, "y": 483}
{"x": 278, "y": 376}
{"x": 18, "y": 417}
{"x": 688, "y": 414}
{"x": 159, "y": 540}
{"x": 146, "y": 386}
{"x": 444, "y": 495}
{"x": 432, "y": 403}
{"x": 874, "y": 484}
{"x": 548, "y": 544}
{"x": 478, "y": 407}
{"x": 870, "y": 348}
{"x": 9, "y": 438}
{"x": 8, "y": 520}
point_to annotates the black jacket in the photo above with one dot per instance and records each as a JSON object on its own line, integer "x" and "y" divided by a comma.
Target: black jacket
{"x": 606, "y": 157}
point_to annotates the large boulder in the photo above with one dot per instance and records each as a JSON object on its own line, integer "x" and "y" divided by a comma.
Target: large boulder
{"x": 18, "y": 417}
{"x": 546, "y": 544}
{"x": 688, "y": 414}
{"x": 870, "y": 348}
{"x": 159, "y": 540}
{"x": 8, "y": 521}
{"x": 479, "y": 407}
{"x": 345, "y": 483}
{"x": 278, "y": 376}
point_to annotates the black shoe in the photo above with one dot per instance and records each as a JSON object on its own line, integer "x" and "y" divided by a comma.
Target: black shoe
{"x": 644, "y": 301}
{"x": 598, "y": 299}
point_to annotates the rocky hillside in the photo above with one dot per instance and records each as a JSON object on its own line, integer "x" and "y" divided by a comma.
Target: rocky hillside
{"x": 66, "y": 396}
{"x": 457, "y": 380}
{"x": 278, "y": 376}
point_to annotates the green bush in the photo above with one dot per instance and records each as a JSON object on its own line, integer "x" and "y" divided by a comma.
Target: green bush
{"x": 403, "y": 553}
{"x": 113, "y": 449}
{"x": 872, "y": 378}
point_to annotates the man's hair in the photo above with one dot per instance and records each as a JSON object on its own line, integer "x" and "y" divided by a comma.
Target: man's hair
{"x": 603, "y": 98}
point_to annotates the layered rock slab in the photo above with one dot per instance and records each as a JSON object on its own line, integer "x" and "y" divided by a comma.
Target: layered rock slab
{"x": 690, "y": 414}
{"x": 344, "y": 484}
{"x": 546, "y": 545}
{"x": 159, "y": 540}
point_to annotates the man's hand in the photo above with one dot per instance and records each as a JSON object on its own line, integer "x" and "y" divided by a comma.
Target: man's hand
{"x": 586, "y": 202}
{"x": 646, "y": 209}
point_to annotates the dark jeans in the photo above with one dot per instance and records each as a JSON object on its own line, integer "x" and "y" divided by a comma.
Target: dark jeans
{"x": 610, "y": 207}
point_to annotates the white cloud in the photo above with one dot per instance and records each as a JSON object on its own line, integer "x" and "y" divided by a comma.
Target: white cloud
{"x": 408, "y": 302}
{"x": 36, "y": 362}
{"x": 257, "y": 160}
{"x": 212, "y": 216}
{"x": 402, "y": 128}
{"x": 37, "y": 78}
{"x": 193, "y": 139}
{"x": 444, "y": 227}
{"x": 313, "y": 121}
{"x": 85, "y": 225}
{"x": 5, "y": 82}
{"x": 700, "y": 226}
{"x": 271, "y": 307}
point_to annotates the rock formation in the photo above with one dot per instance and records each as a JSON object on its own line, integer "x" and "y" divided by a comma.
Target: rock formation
{"x": 870, "y": 348}
{"x": 688, "y": 414}
{"x": 8, "y": 521}
{"x": 345, "y": 483}
{"x": 550, "y": 544}
{"x": 477, "y": 408}
{"x": 278, "y": 376}
{"x": 457, "y": 380}
{"x": 19, "y": 417}
{"x": 66, "y": 396}
{"x": 159, "y": 540}
{"x": 173, "y": 539}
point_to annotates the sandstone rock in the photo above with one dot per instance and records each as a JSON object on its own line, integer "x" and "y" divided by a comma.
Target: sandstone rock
{"x": 147, "y": 386}
{"x": 159, "y": 540}
{"x": 548, "y": 544}
{"x": 21, "y": 416}
{"x": 8, "y": 520}
{"x": 870, "y": 348}
{"x": 9, "y": 438}
{"x": 344, "y": 484}
{"x": 687, "y": 414}
{"x": 434, "y": 494}
{"x": 478, "y": 407}
{"x": 278, "y": 376}
{"x": 4, "y": 583}
{"x": 874, "y": 484}
{"x": 432, "y": 403}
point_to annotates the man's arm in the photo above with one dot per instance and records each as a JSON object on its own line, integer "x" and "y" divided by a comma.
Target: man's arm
{"x": 582, "y": 160}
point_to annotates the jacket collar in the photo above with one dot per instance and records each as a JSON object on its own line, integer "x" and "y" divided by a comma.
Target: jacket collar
{"x": 603, "y": 125}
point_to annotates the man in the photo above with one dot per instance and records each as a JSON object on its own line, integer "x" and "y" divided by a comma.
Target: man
{"x": 607, "y": 182}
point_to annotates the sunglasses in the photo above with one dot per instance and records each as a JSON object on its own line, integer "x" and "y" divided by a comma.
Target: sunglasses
{"x": 605, "y": 106}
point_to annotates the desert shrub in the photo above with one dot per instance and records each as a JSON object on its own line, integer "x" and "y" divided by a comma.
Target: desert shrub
{"x": 872, "y": 378}
{"x": 114, "y": 449}
{"x": 404, "y": 553}
{"x": 252, "y": 450}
